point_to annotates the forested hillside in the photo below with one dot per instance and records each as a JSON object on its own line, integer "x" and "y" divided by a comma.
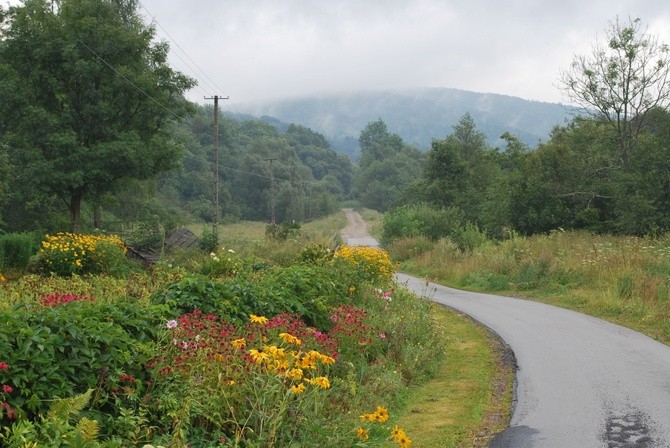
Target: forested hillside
{"x": 418, "y": 116}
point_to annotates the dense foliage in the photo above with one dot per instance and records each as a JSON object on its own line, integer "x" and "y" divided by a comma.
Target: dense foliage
{"x": 315, "y": 352}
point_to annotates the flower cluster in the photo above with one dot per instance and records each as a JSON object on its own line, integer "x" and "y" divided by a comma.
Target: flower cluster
{"x": 59, "y": 298}
{"x": 374, "y": 263}
{"x": 4, "y": 393}
{"x": 352, "y": 331}
{"x": 72, "y": 253}
{"x": 381, "y": 415}
{"x": 398, "y": 434}
{"x": 275, "y": 341}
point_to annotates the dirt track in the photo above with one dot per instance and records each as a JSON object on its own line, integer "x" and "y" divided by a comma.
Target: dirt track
{"x": 356, "y": 233}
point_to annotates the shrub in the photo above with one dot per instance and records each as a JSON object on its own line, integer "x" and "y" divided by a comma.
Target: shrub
{"x": 209, "y": 241}
{"x": 406, "y": 248}
{"x": 57, "y": 352}
{"x": 307, "y": 290}
{"x": 16, "y": 250}
{"x": 224, "y": 264}
{"x": 284, "y": 231}
{"x": 69, "y": 253}
{"x": 372, "y": 264}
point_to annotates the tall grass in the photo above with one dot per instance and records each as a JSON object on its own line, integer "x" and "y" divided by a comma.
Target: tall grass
{"x": 622, "y": 279}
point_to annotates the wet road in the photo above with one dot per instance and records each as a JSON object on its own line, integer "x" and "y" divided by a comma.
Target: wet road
{"x": 581, "y": 382}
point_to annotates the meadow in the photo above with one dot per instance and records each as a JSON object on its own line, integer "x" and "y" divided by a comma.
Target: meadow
{"x": 622, "y": 279}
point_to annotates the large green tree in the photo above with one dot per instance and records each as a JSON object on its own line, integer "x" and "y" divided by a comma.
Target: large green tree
{"x": 621, "y": 81}
{"x": 87, "y": 98}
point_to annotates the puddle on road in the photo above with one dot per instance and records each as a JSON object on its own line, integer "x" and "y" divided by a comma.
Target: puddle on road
{"x": 628, "y": 431}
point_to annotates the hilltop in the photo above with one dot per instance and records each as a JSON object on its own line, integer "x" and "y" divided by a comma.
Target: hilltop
{"x": 417, "y": 115}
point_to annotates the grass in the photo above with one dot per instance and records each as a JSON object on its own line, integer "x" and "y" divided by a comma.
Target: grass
{"x": 469, "y": 400}
{"x": 625, "y": 280}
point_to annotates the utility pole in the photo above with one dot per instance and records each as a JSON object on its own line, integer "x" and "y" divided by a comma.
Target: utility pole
{"x": 272, "y": 190}
{"x": 215, "y": 199}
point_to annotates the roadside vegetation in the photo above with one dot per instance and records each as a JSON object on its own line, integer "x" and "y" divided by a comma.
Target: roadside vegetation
{"x": 622, "y": 279}
{"x": 310, "y": 348}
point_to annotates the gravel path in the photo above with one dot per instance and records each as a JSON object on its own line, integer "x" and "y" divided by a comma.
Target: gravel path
{"x": 581, "y": 382}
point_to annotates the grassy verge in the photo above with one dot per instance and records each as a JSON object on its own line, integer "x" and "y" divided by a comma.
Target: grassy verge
{"x": 469, "y": 400}
{"x": 625, "y": 280}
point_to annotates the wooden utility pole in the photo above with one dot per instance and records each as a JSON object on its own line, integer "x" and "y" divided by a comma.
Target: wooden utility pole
{"x": 215, "y": 174}
{"x": 272, "y": 190}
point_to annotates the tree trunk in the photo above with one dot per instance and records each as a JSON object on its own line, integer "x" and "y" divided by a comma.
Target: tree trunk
{"x": 97, "y": 217}
{"x": 75, "y": 209}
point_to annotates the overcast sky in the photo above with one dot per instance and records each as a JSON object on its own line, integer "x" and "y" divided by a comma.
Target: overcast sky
{"x": 256, "y": 50}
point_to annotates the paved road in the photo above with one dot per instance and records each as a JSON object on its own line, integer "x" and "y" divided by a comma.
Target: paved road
{"x": 581, "y": 382}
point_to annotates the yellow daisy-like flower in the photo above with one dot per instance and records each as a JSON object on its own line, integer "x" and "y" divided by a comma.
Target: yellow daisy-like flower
{"x": 320, "y": 381}
{"x": 399, "y": 435}
{"x": 257, "y": 319}
{"x": 382, "y": 414}
{"x": 362, "y": 433}
{"x": 219, "y": 357}
{"x": 259, "y": 356}
{"x": 327, "y": 359}
{"x": 298, "y": 389}
{"x": 238, "y": 343}
{"x": 290, "y": 339}
{"x": 294, "y": 374}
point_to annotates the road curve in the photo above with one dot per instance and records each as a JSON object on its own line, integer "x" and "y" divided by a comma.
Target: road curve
{"x": 581, "y": 382}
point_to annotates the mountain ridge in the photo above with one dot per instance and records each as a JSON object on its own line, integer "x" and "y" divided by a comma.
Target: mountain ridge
{"x": 417, "y": 115}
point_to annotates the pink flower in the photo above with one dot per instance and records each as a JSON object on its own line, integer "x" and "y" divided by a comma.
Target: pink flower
{"x": 3, "y": 366}
{"x": 5, "y": 405}
{"x": 382, "y": 336}
{"x": 172, "y": 324}
{"x": 7, "y": 388}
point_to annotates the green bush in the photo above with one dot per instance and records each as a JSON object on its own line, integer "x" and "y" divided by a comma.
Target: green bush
{"x": 16, "y": 250}
{"x": 422, "y": 220}
{"x": 57, "y": 352}
{"x": 284, "y": 231}
{"x": 65, "y": 254}
{"x": 302, "y": 289}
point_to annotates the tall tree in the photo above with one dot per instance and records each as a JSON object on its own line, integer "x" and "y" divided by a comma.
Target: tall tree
{"x": 621, "y": 81}
{"x": 87, "y": 97}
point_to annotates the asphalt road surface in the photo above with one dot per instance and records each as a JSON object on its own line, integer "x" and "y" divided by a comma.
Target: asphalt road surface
{"x": 581, "y": 382}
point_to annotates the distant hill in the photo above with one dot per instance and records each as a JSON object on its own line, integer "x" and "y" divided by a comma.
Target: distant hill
{"x": 417, "y": 115}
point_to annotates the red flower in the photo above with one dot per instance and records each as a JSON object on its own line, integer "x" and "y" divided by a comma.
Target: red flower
{"x": 7, "y": 389}
{"x": 3, "y": 366}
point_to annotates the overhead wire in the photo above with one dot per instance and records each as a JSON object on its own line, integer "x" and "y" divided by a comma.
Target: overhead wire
{"x": 214, "y": 86}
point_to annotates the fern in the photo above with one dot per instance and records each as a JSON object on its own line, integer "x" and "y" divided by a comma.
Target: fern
{"x": 89, "y": 429}
{"x": 66, "y": 407}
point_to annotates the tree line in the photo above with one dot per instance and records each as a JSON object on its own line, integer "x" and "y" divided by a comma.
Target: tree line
{"x": 95, "y": 132}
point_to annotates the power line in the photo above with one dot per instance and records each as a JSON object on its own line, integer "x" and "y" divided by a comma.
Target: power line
{"x": 163, "y": 106}
{"x": 197, "y": 67}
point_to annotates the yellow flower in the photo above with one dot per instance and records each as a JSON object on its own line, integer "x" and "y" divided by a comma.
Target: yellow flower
{"x": 238, "y": 343}
{"x": 298, "y": 389}
{"x": 362, "y": 433}
{"x": 327, "y": 359}
{"x": 294, "y": 374}
{"x": 257, "y": 319}
{"x": 219, "y": 357}
{"x": 290, "y": 339}
{"x": 320, "y": 381}
{"x": 382, "y": 414}
{"x": 2, "y": 278}
{"x": 398, "y": 434}
{"x": 259, "y": 356}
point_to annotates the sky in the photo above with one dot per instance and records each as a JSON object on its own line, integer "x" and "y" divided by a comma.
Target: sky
{"x": 263, "y": 50}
